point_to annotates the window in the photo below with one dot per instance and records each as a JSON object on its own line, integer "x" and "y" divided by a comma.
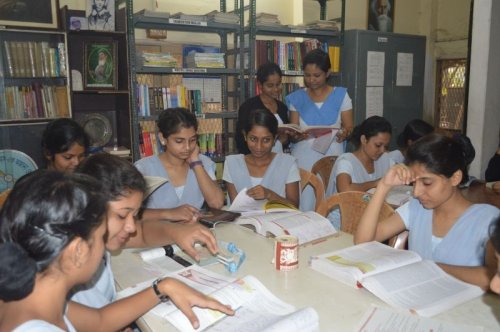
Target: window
{"x": 450, "y": 96}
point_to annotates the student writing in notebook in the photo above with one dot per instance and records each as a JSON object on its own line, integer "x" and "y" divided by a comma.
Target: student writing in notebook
{"x": 191, "y": 175}
{"x": 443, "y": 225}
{"x": 265, "y": 174}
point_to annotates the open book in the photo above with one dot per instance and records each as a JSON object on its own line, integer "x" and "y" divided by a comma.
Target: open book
{"x": 398, "y": 277}
{"x": 312, "y": 131}
{"x": 257, "y": 309}
{"x": 398, "y": 195}
{"x": 306, "y": 226}
{"x": 246, "y": 205}
{"x": 153, "y": 183}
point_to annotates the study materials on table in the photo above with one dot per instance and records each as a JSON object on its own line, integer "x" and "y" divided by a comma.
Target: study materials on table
{"x": 257, "y": 309}
{"x": 398, "y": 195}
{"x": 306, "y": 226}
{"x": 311, "y": 131}
{"x": 398, "y": 277}
{"x": 378, "y": 319}
{"x": 211, "y": 216}
{"x": 246, "y": 205}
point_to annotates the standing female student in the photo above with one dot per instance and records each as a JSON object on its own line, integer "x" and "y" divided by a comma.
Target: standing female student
{"x": 444, "y": 226}
{"x": 269, "y": 82}
{"x": 361, "y": 170}
{"x": 265, "y": 174}
{"x": 191, "y": 175}
{"x": 52, "y": 238}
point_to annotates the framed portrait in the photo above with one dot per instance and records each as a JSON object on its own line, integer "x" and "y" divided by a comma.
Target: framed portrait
{"x": 100, "y": 66}
{"x": 381, "y": 15}
{"x": 29, "y": 13}
{"x": 101, "y": 15}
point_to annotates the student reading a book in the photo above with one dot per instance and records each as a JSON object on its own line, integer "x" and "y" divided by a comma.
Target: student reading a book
{"x": 191, "y": 175}
{"x": 52, "y": 238}
{"x": 443, "y": 226}
{"x": 265, "y": 174}
{"x": 269, "y": 83}
{"x": 495, "y": 240}
{"x": 126, "y": 186}
{"x": 318, "y": 104}
{"x": 64, "y": 144}
{"x": 362, "y": 169}
{"x": 413, "y": 130}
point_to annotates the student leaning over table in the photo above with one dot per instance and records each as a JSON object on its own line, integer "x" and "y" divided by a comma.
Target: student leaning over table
{"x": 127, "y": 186}
{"x": 265, "y": 174}
{"x": 443, "y": 225}
{"x": 191, "y": 175}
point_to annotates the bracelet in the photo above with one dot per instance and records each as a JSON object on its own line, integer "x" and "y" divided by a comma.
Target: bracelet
{"x": 195, "y": 163}
{"x": 162, "y": 297}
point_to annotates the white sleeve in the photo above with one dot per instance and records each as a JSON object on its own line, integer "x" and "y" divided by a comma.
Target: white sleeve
{"x": 404, "y": 213}
{"x": 342, "y": 166}
{"x": 226, "y": 176}
{"x": 346, "y": 103}
{"x": 293, "y": 174}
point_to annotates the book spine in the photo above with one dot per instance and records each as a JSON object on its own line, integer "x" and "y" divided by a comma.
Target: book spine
{"x": 31, "y": 50}
{"x": 8, "y": 55}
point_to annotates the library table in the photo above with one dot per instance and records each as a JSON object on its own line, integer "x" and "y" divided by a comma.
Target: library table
{"x": 339, "y": 306}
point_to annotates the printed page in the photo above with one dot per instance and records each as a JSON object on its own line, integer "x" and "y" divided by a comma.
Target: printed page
{"x": 421, "y": 287}
{"x": 306, "y": 226}
{"x": 243, "y": 203}
{"x": 380, "y": 319}
{"x": 398, "y": 195}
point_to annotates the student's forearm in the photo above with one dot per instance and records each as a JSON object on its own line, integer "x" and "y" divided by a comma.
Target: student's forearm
{"x": 151, "y": 233}
{"x": 367, "y": 226}
{"x": 479, "y": 276}
{"x": 159, "y": 214}
{"x": 209, "y": 188}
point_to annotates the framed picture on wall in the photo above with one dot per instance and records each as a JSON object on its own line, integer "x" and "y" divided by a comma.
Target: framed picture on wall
{"x": 381, "y": 15}
{"x": 100, "y": 65}
{"x": 101, "y": 15}
{"x": 29, "y": 13}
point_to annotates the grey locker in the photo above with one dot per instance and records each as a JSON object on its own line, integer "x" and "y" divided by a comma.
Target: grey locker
{"x": 400, "y": 103}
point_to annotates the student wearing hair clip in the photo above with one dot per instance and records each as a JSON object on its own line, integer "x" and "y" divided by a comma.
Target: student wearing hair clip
{"x": 443, "y": 225}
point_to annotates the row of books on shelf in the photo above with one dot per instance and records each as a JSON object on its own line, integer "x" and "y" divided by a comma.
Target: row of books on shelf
{"x": 35, "y": 101}
{"x": 211, "y": 144}
{"x": 289, "y": 55}
{"x": 152, "y": 100}
{"x": 35, "y": 59}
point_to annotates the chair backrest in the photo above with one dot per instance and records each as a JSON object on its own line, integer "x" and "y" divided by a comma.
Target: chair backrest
{"x": 309, "y": 179}
{"x": 324, "y": 167}
{"x": 3, "y": 196}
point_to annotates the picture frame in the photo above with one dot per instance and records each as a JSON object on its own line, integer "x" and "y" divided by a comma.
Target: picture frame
{"x": 29, "y": 13}
{"x": 100, "y": 15}
{"x": 381, "y": 15}
{"x": 100, "y": 64}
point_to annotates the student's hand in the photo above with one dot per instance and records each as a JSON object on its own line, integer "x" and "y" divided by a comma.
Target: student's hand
{"x": 187, "y": 235}
{"x": 343, "y": 134}
{"x": 185, "y": 297}
{"x": 259, "y": 192}
{"x": 194, "y": 156}
{"x": 184, "y": 213}
{"x": 397, "y": 175}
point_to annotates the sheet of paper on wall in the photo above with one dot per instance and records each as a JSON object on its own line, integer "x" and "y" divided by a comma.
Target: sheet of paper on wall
{"x": 404, "y": 70}
{"x": 381, "y": 319}
{"x": 375, "y": 64}
{"x": 374, "y": 101}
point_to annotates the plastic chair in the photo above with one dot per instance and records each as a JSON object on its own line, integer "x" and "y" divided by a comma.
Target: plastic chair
{"x": 351, "y": 205}
{"x": 324, "y": 167}
{"x": 3, "y": 196}
{"x": 309, "y": 179}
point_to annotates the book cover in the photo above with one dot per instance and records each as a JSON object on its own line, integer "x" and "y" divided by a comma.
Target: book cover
{"x": 311, "y": 131}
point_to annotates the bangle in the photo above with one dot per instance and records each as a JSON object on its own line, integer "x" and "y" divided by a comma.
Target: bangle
{"x": 195, "y": 163}
{"x": 161, "y": 297}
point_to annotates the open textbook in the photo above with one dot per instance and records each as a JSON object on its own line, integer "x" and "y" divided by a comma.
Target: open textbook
{"x": 398, "y": 277}
{"x": 257, "y": 309}
{"x": 246, "y": 205}
{"x": 312, "y": 131}
{"x": 398, "y": 195}
{"x": 306, "y": 226}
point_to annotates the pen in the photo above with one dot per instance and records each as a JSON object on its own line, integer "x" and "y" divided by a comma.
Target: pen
{"x": 169, "y": 251}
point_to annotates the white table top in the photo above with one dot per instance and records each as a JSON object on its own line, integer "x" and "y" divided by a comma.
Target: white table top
{"x": 339, "y": 306}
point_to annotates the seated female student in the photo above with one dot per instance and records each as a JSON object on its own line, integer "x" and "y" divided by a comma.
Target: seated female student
{"x": 265, "y": 174}
{"x": 52, "y": 238}
{"x": 191, "y": 175}
{"x": 495, "y": 240}
{"x": 443, "y": 225}
{"x": 361, "y": 169}
{"x": 64, "y": 144}
{"x": 413, "y": 130}
{"x": 269, "y": 83}
{"x": 127, "y": 186}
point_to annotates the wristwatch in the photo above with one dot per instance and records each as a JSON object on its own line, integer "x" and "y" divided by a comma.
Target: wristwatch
{"x": 195, "y": 163}
{"x": 162, "y": 297}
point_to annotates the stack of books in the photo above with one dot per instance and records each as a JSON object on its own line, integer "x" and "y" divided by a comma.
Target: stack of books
{"x": 205, "y": 60}
{"x": 267, "y": 19}
{"x": 158, "y": 60}
{"x": 226, "y": 18}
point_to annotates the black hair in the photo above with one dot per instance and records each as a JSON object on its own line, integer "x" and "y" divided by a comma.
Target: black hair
{"x": 172, "y": 120}
{"x": 467, "y": 147}
{"x": 116, "y": 175}
{"x": 370, "y": 127}
{"x": 264, "y": 118}
{"x": 43, "y": 213}
{"x": 319, "y": 58}
{"x": 413, "y": 130}
{"x": 495, "y": 234}
{"x": 440, "y": 154}
{"x": 59, "y": 135}
{"x": 267, "y": 69}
